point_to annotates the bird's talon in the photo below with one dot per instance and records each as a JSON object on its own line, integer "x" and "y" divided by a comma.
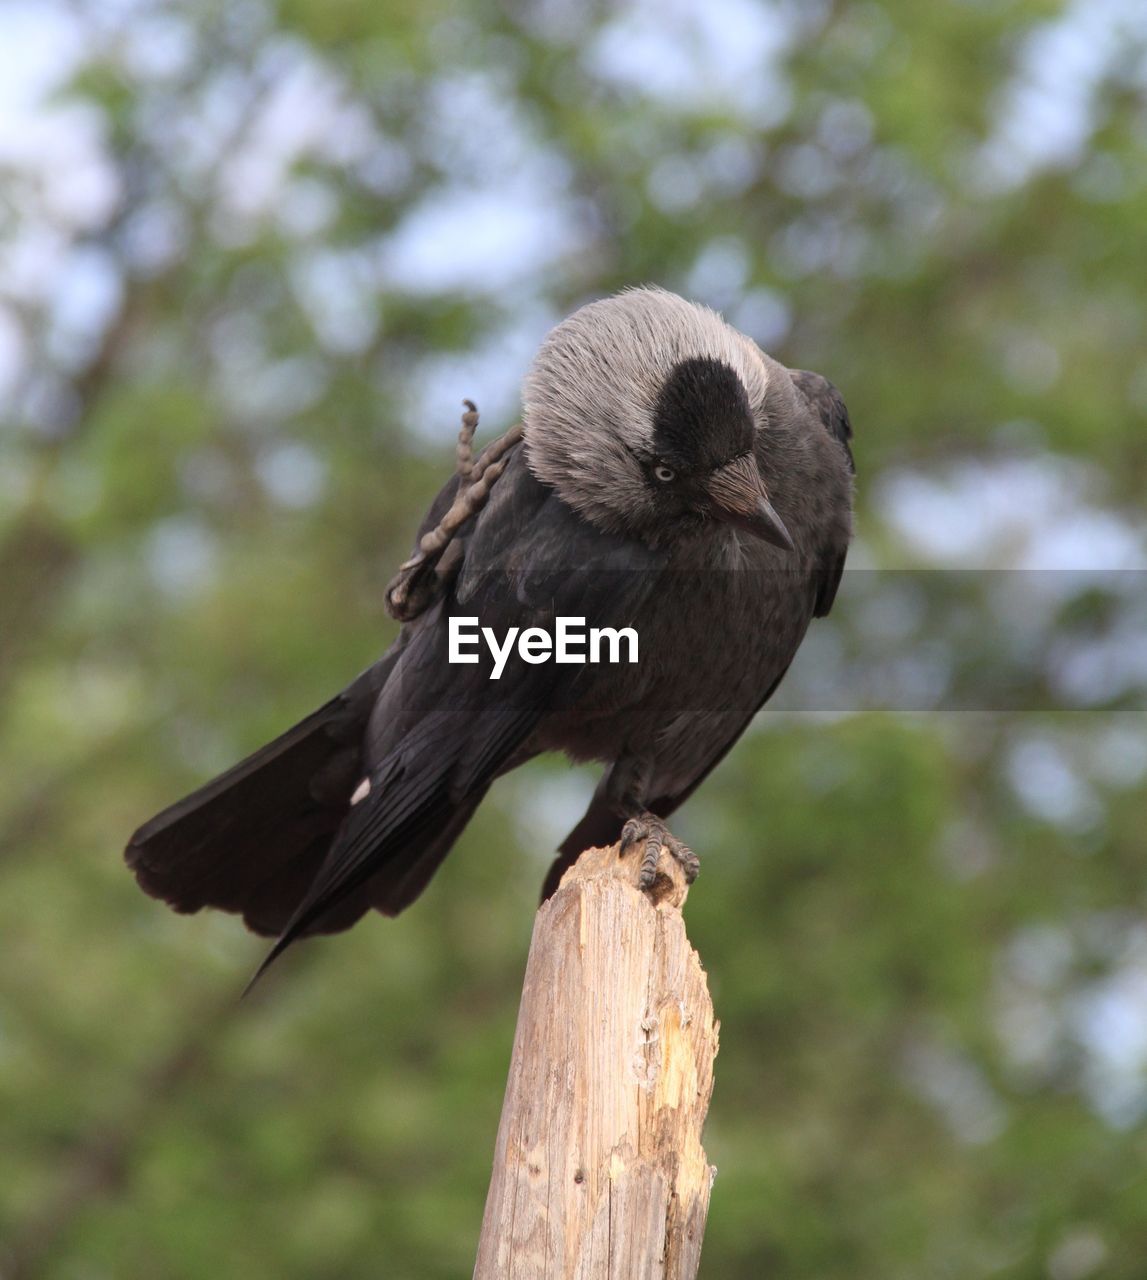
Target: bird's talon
{"x": 689, "y": 861}
{"x": 464, "y": 454}
{"x": 632, "y": 833}
{"x": 653, "y": 834}
{"x": 649, "y": 861}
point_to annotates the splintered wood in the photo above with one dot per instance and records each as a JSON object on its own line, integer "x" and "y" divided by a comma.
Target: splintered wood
{"x": 599, "y": 1173}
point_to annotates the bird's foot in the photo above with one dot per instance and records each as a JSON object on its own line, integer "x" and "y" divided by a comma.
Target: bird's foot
{"x": 648, "y": 829}
{"x": 465, "y": 450}
{"x": 420, "y": 580}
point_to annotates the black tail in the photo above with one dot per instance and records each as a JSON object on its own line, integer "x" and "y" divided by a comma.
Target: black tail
{"x": 421, "y": 794}
{"x": 284, "y": 840}
{"x": 252, "y": 840}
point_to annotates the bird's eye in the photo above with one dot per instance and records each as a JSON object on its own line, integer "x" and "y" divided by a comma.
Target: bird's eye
{"x": 664, "y": 473}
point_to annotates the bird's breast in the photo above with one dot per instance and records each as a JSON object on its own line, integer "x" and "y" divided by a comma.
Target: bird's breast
{"x": 716, "y": 630}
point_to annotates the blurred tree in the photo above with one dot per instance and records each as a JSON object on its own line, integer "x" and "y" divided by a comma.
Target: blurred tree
{"x": 252, "y": 256}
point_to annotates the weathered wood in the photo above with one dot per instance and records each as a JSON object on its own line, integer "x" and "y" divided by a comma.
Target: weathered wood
{"x": 599, "y": 1173}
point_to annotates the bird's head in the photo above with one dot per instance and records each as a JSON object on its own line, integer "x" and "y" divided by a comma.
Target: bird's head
{"x": 643, "y": 412}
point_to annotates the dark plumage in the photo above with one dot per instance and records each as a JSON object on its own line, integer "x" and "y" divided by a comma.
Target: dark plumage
{"x": 671, "y": 478}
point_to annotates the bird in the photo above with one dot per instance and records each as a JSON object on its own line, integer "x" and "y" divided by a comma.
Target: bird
{"x": 666, "y": 475}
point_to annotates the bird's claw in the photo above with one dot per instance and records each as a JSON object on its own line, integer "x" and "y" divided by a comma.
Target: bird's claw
{"x": 648, "y": 830}
{"x": 419, "y": 581}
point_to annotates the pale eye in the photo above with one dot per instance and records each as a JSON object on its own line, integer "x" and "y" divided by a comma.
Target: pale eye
{"x": 664, "y": 473}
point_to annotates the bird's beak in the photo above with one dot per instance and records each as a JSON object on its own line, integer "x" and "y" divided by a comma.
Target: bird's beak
{"x": 737, "y": 494}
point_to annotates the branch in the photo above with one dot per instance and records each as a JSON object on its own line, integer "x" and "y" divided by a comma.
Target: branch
{"x": 599, "y": 1169}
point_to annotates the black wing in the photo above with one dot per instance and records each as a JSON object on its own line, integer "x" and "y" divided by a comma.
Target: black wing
{"x": 441, "y": 731}
{"x": 828, "y": 405}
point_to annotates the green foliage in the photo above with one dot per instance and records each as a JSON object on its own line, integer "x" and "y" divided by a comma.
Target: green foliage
{"x": 911, "y": 944}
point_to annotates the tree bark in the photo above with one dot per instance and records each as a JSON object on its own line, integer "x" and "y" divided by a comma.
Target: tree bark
{"x": 599, "y": 1173}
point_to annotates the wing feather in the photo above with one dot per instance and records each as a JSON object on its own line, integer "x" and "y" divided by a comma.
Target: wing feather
{"x": 441, "y": 732}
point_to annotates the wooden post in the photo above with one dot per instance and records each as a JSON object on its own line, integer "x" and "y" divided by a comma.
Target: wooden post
{"x": 599, "y": 1173}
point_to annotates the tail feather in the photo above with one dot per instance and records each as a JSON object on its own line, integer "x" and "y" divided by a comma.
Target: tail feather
{"x": 421, "y": 796}
{"x": 252, "y": 840}
{"x": 291, "y": 840}
{"x": 411, "y": 813}
{"x": 397, "y": 885}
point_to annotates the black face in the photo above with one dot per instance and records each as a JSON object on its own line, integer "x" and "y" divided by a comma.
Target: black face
{"x": 701, "y": 422}
{"x": 703, "y": 465}
{"x": 702, "y": 418}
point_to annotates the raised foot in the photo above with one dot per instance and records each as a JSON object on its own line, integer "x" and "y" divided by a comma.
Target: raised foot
{"x": 648, "y": 829}
{"x": 422, "y": 578}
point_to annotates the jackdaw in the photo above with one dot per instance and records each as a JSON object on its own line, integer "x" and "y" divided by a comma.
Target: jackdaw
{"x": 667, "y": 476}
